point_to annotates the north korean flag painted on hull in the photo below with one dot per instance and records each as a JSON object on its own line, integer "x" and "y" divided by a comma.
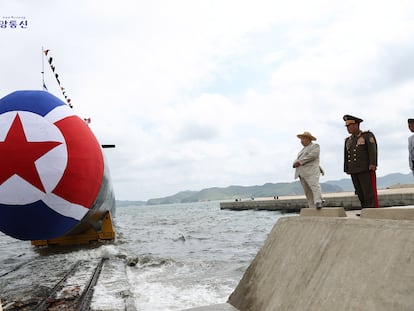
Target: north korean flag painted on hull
{"x": 51, "y": 166}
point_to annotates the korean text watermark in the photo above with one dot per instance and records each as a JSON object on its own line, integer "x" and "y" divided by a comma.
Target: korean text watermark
{"x": 13, "y": 22}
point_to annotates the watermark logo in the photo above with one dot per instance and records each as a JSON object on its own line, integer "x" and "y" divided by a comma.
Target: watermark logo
{"x": 13, "y": 22}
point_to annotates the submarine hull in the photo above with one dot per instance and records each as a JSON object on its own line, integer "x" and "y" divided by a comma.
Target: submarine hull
{"x": 54, "y": 179}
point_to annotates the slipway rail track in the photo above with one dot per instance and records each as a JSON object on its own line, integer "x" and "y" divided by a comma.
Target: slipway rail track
{"x": 14, "y": 269}
{"x": 72, "y": 291}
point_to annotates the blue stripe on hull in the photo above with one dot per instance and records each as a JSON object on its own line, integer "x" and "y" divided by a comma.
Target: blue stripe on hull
{"x": 35, "y": 221}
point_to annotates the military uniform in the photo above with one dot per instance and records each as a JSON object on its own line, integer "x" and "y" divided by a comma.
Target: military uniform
{"x": 411, "y": 146}
{"x": 360, "y": 152}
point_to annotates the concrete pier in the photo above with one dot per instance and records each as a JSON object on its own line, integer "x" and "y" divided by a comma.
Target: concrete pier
{"x": 330, "y": 259}
{"x": 347, "y": 200}
{"x": 338, "y": 263}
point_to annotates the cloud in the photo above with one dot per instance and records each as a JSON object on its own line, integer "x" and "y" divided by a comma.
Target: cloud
{"x": 200, "y": 94}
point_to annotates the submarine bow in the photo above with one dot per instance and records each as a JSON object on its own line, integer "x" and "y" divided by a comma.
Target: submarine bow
{"x": 54, "y": 179}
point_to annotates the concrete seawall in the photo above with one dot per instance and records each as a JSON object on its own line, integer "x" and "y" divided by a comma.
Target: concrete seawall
{"x": 331, "y": 263}
{"x": 329, "y": 259}
{"x": 347, "y": 200}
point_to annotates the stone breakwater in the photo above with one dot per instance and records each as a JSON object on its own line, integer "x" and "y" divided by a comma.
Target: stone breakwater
{"x": 330, "y": 259}
{"x": 332, "y": 263}
{"x": 348, "y": 200}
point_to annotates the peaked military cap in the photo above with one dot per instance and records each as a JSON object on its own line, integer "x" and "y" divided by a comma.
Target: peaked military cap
{"x": 351, "y": 119}
{"x": 410, "y": 120}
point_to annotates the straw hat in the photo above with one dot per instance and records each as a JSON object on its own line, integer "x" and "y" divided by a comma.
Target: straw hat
{"x": 306, "y": 134}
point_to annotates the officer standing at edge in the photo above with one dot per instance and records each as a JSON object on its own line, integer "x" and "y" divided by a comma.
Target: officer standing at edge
{"x": 360, "y": 161}
{"x": 411, "y": 145}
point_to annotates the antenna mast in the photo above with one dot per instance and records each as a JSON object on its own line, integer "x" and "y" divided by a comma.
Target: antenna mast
{"x": 43, "y": 70}
{"x": 52, "y": 67}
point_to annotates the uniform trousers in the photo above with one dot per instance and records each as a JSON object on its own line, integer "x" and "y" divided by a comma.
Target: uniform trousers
{"x": 312, "y": 189}
{"x": 364, "y": 189}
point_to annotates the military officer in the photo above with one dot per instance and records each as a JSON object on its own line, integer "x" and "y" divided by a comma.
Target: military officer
{"x": 360, "y": 161}
{"x": 411, "y": 145}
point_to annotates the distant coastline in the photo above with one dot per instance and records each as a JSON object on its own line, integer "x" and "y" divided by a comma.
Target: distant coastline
{"x": 266, "y": 190}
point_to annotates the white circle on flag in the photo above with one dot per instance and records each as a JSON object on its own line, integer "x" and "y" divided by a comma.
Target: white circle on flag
{"x": 50, "y": 166}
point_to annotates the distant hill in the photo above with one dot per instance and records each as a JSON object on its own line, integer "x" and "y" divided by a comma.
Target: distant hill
{"x": 270, "y": 190}
{"x": 239, "y": 192}
{"x": 382, "y": 182}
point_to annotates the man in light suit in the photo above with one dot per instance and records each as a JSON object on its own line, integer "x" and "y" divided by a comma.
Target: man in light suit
{"x": 308, "y": 170}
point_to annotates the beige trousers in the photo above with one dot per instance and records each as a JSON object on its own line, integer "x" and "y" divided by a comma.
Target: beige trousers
{"x": 312, "y": 189}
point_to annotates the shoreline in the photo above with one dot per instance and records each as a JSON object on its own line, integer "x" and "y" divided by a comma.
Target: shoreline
{"x": 395, "y": 196}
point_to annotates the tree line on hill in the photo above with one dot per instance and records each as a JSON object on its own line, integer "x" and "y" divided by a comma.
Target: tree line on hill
{"x": 266, "y": 190}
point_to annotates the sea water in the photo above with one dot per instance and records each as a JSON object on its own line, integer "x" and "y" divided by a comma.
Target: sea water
{"x": 164, "y": 257}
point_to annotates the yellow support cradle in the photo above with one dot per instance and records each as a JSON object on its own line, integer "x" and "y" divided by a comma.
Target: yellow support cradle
{"x": 107, "y": 232}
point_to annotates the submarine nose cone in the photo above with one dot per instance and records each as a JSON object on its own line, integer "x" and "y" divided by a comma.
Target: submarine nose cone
{"x": 51, "y": 166}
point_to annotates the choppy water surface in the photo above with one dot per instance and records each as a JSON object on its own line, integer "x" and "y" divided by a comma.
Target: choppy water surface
{"x": 165, "y": 257}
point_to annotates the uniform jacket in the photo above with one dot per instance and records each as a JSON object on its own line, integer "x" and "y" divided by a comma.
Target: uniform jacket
{"x": 411, "y": 152}
{"x": 308, "y": 158}
{"x": 360, "y": 152}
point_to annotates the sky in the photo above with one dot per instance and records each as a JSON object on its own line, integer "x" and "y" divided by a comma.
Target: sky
{"x": 198, "y": 94}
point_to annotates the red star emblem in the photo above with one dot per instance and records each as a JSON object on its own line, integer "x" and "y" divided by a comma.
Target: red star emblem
{"x": 18, "y": 156}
